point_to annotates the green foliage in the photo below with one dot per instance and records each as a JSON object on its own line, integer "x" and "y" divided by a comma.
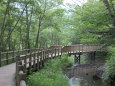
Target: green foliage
{"x": 109, "y": 70}
{"x": 91, "y": 19}
{"x": 52, "y": 74}
{"x": 112, "y": 51}
{"x": 19, "y": 23}
{"x": 66, "y": 61}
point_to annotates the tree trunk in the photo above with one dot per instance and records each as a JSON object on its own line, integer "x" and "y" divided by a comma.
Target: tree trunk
{"x": 3, "y": 26}
{"x": 39, "y": 25}
{"x": 38, "y": 32}
{"x": 110, "y": 10}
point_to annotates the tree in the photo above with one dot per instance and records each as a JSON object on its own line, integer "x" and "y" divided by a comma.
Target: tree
{"x": 93, "y": 23}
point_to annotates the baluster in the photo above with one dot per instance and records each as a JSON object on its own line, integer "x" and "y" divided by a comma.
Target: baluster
{"x": 58, "y": 51}
{"x": 7, "y": 57}
{"x": 51, "y": 53}
{"x": 25, "y": 63}
{"x": 38, "y": 60}
{"x": 55, "y": 51}
{"x": 48, "y": 53}
{"x": 30, "y": 59}
{"x": 68, "y": 49}
{"x": 34, "y": 59}
{"x": 0, "y": 59}
{"x": 74, "y": 48}
{"x": 82, "y": 48}
{"x": 79, "y": 48}
{"x": 13, "y": 56}
{"x": 61, "y": 51}
{"x": 43, "y": 56}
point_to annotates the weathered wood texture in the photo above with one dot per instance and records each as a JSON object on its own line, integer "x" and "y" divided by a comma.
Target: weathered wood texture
{"x": 34, "y": 61}
{"x": 30, "y": 60}
{"x": 10, "y": 56}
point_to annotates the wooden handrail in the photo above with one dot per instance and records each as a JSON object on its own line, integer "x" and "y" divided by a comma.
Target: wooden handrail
{"x": 10, "y": 56}
{"x": 35, "y": 59}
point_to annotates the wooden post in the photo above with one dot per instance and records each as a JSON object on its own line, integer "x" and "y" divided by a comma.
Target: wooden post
{"x": 74, "y": 49}
{"x": 75, "y": 58}
{"x": 82, "y": 47}
{"x": 68, "y": 50}
{"x": 48, "y": 53}
{"x": 30, "y": 59}
{"x": 55, "y": 51}
{"x": 94, "y": 56}
{"x": 34, "y": 63}
{"x": 25, "y": 63}
{"x": 7, "y": 61}
{"x": 23, "y": 52}
{"x": 38, "y": 60}
{"x": 13, "y": 56}
{"x": 0, "y": 59}
{"x": 42, "y": 58}
{"x": 79, "y": 58}
{"x": 58, "y": 51}
{"x": 61, "y": 52}
{"x": 51, "y": 53}
{"x": 79, "y": 47}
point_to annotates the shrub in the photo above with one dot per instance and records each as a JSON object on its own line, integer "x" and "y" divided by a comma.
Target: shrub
{"x": 109, "y": 70}
{"x": 66, "y": 61}
{"x": 52, "y": 74}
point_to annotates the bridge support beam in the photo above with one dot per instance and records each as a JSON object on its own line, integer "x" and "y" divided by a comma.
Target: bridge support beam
{"x": 77, "y": 58}
{"x": 92, "y": 55}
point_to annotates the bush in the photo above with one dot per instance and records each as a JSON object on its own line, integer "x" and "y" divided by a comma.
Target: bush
{"x": 52, "y": 74}
{"x": 66, "y": 61}
{"x": 109, "y": 70}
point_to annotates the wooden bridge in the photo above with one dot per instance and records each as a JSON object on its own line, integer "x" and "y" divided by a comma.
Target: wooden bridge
{"x": 30, "y": 60}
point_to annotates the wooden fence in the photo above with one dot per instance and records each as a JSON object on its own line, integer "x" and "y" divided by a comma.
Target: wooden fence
{"x": 10, "y": 56}
{"x": 81, "y": 48}
{"x": 29, "y": 60}
{"x": 25, "y": 64}
{"x": 34, "y": 61}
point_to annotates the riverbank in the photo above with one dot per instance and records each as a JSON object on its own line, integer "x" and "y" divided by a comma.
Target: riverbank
{"x": 86, "y": 74}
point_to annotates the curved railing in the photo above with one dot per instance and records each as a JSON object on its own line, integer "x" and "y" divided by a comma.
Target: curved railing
{"x": 30, "y": 60}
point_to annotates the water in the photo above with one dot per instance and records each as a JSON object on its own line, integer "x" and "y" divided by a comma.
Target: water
{"x": 84, "y": 82}
{"x": 86, "y": 74}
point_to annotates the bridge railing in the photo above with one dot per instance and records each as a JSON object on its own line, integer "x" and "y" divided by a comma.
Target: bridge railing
{"x": 80, "y": 48}
{"x": 30, "y": 60}
{"x": 10, "y": 56}
{"x": 25, "y": 64}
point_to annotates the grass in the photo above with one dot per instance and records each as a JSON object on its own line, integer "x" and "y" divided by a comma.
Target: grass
{"x": 52, "y": 74}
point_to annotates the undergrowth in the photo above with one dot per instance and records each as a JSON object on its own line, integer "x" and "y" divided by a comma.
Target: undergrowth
{"x": 109, "y": 69}
{"x": 52, "y": 73}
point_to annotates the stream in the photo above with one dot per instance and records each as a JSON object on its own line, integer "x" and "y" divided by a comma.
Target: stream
{"x": 86, "y": 73}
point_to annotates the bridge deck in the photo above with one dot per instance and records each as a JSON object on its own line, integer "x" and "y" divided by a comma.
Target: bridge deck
{"x": 7, "y": 75}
